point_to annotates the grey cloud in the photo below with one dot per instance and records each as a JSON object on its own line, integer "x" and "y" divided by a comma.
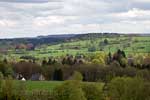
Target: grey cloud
{"x": 144, "y": 6}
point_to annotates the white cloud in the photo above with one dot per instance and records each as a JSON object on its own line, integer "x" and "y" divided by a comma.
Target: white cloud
{"x": 7, "y": 23}
{"x": 135, "y": 13}
{"x": 52, "y": 20}
{"x": 73, "y": 16}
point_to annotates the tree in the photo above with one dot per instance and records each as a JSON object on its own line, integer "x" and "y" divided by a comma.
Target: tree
{"x": 70, "y": 90}
{"x": 120, "y": 56}
{"x": 77, "y": 76}
{"x": 105, "y": 41}
{"x": 99, "y": 58}
{"x": 96, "y": 61}
{"x": 93, "y": 91}
{"x": 138, "y": 61}
{"x": 44, "y": 62}
{"x": 6, "y": 69}
{"x": 9, "y": 71}
{"x": 109, "y": 58}
{"x": 50, "y": 62}
{"x": 5, "y": 61}
{"x": 125, "y": 88}
{"x": 123, "y": 62}
{"x": 58, "y": 75}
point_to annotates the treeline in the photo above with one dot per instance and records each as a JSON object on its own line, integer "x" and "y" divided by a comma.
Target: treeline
{"x": 93, "y": 68}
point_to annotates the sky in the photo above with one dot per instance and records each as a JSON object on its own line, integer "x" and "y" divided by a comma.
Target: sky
{"x": 30, "y": 18}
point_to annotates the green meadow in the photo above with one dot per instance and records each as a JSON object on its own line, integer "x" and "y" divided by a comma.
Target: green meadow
{"x": 46, "y": 85}
{"x": 131, "y": 45}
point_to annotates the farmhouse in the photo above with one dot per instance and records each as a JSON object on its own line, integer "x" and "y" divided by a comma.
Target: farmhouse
{"x": 37, "y": 77}
{"x": 20, "y": 77}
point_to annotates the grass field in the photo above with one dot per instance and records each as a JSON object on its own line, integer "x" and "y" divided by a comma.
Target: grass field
{"x": 46, "y": 85}
{"x": 40, "y": 85}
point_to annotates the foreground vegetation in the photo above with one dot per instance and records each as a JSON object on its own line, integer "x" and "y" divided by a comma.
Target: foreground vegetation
{"x": 119, "y": 88}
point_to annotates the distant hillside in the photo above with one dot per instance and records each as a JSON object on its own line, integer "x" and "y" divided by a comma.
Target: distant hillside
{"x": 51, "y": 39}
{"x": 56, "y": 39}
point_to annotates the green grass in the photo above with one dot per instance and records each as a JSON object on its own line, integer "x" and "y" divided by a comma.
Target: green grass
{"x": 40, "y": 85}
{"x": 47, "y": 85}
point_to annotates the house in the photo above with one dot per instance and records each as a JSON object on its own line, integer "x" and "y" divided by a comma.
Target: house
{"x": 37, "y": 77}
{"x": 20, "y": 77}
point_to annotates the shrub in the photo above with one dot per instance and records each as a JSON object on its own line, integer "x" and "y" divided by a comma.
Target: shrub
{"x": 20, "y": 91}
{"x": 1, "y": 82}
{"x": 40, "y": 95}
{"x": 8, "y": 89}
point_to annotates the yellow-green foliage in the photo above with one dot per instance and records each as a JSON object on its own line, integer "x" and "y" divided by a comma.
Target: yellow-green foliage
{"x": 126, "y": 88}
{"x": 93, "y": 91}
{"x": 99, "y": 58}
{"x": 8, "y": 89}
{"x": 70, "y": 90}
{"x": 77, "y": 76}
{"x": 1, "y": 82}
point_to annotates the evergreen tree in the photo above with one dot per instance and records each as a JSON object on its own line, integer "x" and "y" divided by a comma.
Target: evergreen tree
{"x": 58, "y": 75}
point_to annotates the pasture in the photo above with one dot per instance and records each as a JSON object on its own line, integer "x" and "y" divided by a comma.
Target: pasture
{"x": 131, "y": 45}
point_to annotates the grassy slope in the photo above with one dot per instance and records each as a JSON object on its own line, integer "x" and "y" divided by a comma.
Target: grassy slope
{"x": 137, "y": 45}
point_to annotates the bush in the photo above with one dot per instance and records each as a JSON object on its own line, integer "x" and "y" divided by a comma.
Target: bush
{"x": 1, "y": 82}
{"x": 20, "y": 91}
{"x": 8, "y": 89}
{"x": 40, "y": 95}
{"x": 11, "y": 91}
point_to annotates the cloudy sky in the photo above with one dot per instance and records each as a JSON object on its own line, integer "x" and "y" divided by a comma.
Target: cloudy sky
{"x": 29, "y": 18}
